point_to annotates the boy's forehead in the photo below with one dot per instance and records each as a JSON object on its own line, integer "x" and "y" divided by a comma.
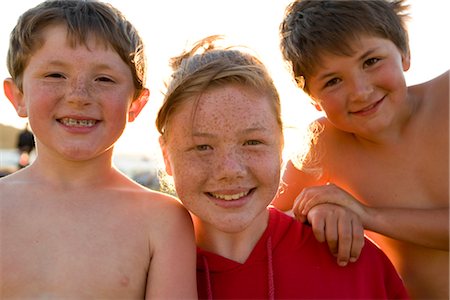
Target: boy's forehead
{"x": 74, "y": 39}
{"x": 349, "y": 47}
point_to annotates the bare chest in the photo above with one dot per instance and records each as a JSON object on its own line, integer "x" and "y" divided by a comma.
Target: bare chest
{"x": 82, "y": 253}
{"x": 402, "y": 176}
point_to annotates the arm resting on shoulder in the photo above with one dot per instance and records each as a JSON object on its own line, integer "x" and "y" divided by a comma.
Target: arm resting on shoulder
{"x": 427, "y": 227}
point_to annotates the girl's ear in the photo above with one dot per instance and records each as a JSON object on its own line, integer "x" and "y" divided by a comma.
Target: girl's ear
{"x": 163, "y": 146}
{"x": 138, "y": 104}
{"x": 15, "y": 96}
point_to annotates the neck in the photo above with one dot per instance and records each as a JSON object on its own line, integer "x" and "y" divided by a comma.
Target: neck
{"x": 58, "y": 172}
{"x": 233, "y": 243}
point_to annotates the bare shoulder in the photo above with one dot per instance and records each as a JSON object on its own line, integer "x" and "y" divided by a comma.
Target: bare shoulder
{"x": 328, "y": 137}
{"x": 326, "y": 143}
{"x": 14, "y": 186}
{"x": 438, "y": 88}
{"x": 154, "y": 204}
{"x": 434, "y": 92}
{"x": 164, "y": 203}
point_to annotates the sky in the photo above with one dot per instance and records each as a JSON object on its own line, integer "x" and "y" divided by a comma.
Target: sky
{"x": 168, "y": 27}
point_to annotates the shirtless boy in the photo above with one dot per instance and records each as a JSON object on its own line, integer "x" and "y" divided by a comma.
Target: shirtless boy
{"x": 382, "y": 149}
{"x": 73, "y": 226}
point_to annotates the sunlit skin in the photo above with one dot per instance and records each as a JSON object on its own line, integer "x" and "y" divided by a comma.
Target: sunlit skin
{"x": 225, "y": 162}
{"x": 76, "y": 85}
{"x": 364, "y": 93}
{"x": 385, "y": 145}
{"x": 73, "y": 226}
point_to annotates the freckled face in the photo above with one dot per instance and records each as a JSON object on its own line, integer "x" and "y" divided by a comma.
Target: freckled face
{"x": 225, "y": 161}
{"x": 77, "y": 99}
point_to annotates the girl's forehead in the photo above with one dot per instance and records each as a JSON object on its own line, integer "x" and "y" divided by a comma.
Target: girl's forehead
{"x": 233, "y": 102}
{"x": 225, "y": 109}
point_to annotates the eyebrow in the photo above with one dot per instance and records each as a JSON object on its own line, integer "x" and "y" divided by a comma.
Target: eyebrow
{"x": 62, "y": 63}
{"x": 246, "y": 131}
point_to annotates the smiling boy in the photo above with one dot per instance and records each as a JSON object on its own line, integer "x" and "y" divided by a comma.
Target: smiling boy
{"x": 72, "y": 225}
{"x": 383, "y": 149}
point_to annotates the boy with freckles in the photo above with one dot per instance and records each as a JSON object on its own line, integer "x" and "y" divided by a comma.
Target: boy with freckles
{"x": 382, "y": 150}
{"x": 72, "y": 225}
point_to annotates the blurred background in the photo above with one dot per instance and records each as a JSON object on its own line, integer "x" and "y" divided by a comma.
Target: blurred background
{"x": 168, "y": 27}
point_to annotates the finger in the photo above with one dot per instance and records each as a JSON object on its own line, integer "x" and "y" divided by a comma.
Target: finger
{"x": 300, "y": 203}
{"x": 318, "y": 227}
{"x": 298, "y": 210}
{"x": 345, "y": 232}
{"x": 357, "y": 240}
{"x": 313, "y": 197}
{"x": 331, "y": 233}
{"x": 296, "y": 206}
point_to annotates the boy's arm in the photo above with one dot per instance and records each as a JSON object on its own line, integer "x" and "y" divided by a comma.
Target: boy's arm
{"x": 172, "y": 271}
{"x": 398, "y": 223}
{"x": 340, "y": 228}
{"x": 344, "y": 232}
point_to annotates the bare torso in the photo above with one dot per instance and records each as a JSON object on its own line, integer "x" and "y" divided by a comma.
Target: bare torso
{"x": 399, "y": 179}
{"x": 411, "y": 173}
{"x": 85, "y": 243}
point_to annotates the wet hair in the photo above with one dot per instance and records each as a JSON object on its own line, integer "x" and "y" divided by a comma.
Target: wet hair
{"x": 207, "y": 66}
{"x": 313, "y": 27}
{"x": 83, "y": 19}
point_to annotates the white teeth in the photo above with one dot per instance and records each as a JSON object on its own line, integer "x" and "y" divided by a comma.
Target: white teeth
{"x": 78, "y": 123}
{"x": 230, "y": 197}
{"x": 369, "y": 108}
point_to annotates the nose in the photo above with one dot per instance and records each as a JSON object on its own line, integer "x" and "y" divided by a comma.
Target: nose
{"x": 79, "y": 92}
{"x": 230, "y": 165}
{"x": 360, "y": 87}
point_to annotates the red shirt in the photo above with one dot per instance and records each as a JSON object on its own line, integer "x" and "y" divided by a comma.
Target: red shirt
{"x": 289, "y": 263}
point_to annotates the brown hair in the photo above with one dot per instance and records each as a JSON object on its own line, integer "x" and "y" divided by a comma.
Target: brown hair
{"x": 312, "y": 27}
{"x": 82, "y": 18}
{"x": 195, "y": 72}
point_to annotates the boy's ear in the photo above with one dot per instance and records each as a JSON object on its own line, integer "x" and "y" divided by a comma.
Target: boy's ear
{"x": 406, "y": 61}
{"x": 163, "y": 146}
{"x": 15, "y": 96}
{"x": 137, "y": 105}
{"x": 316, "y": 104}
{"x": 318, "y": 107}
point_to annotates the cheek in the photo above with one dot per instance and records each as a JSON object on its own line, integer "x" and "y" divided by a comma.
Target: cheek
{"x": 268, "y": 168}
{"x": 187, "y": 173}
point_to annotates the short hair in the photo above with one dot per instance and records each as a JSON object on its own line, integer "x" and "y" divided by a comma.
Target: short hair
{"x": 313, "y": 27}
{"x": 83, "y": 18}
{"x": 194, "y": 73}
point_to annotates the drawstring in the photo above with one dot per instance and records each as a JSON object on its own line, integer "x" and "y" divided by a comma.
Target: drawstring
{"x": 270, "y": 269}
{"x": 208, "y": 279}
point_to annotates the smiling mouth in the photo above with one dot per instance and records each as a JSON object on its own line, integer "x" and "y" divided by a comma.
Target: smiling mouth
{"x": 368, "y": 108}
{"x": 77, "y": 123}
{"x": 230, "y": 197}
